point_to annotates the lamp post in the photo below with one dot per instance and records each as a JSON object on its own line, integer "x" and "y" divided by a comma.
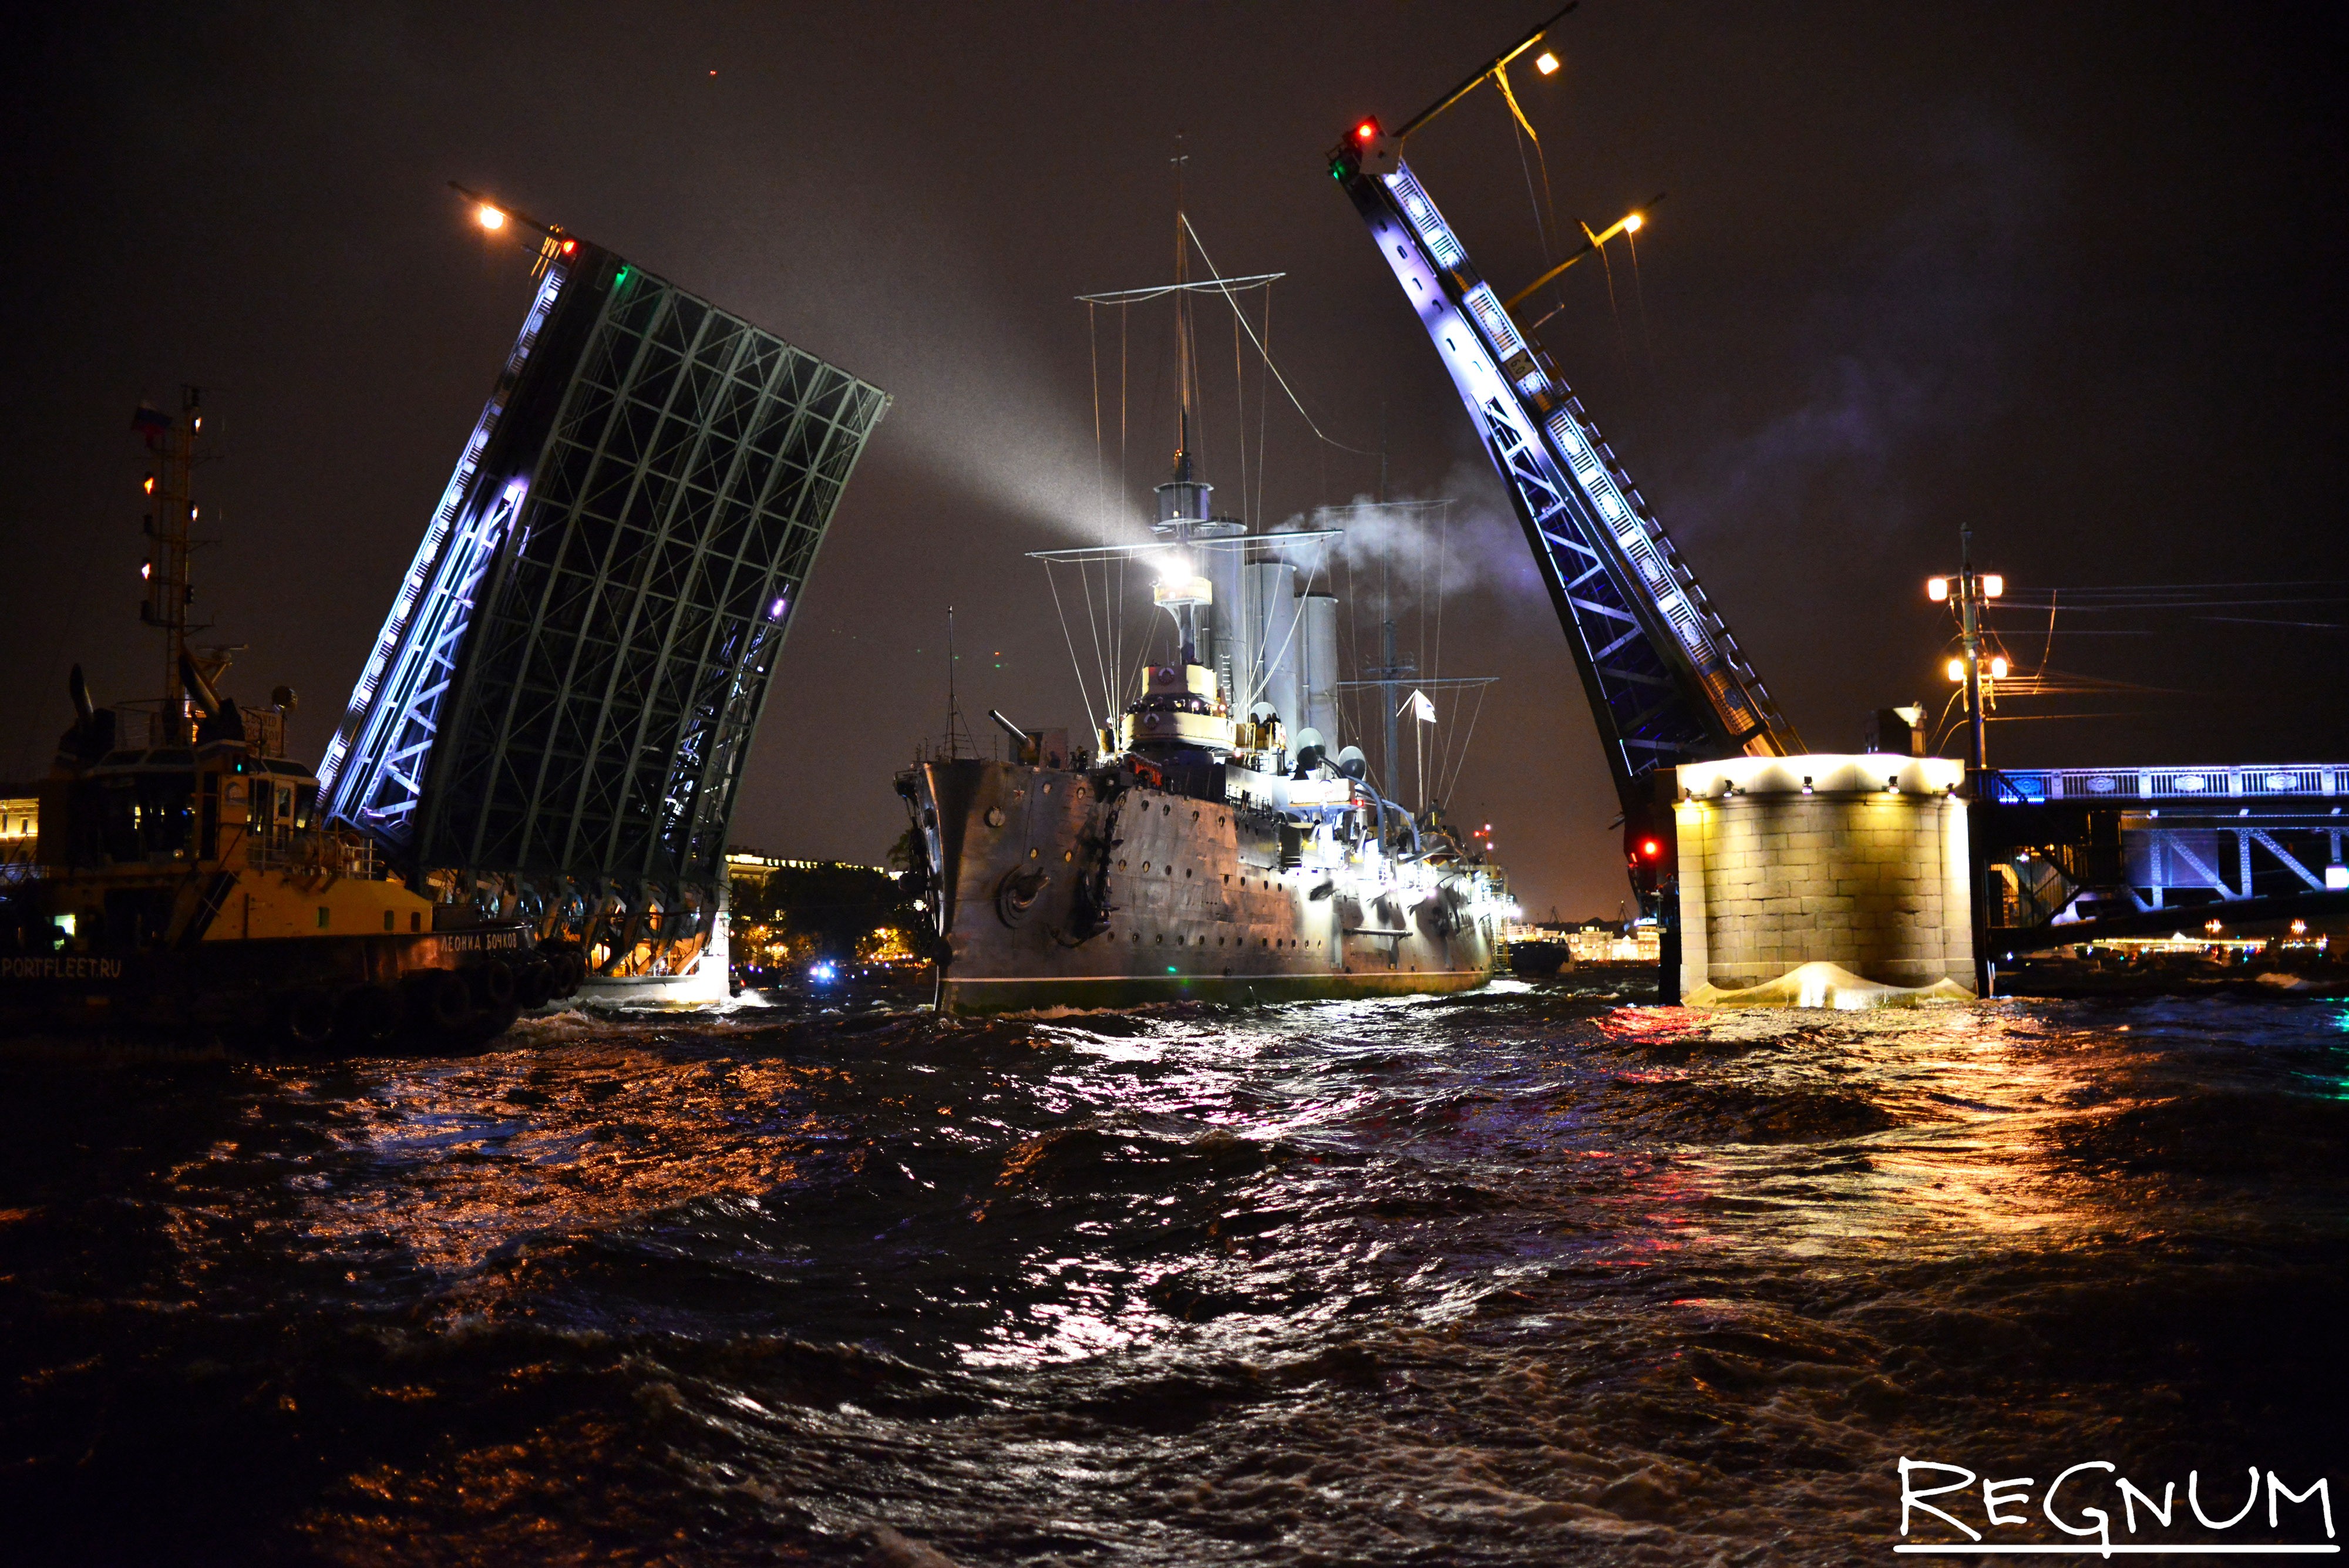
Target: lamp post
{"x": 1971, "y": 590}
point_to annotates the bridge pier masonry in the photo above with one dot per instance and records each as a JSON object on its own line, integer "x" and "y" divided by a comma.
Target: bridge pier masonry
{"x": 1787, "y": 864}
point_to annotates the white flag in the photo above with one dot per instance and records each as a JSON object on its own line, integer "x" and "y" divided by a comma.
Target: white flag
{"x": 1419, "y": 707}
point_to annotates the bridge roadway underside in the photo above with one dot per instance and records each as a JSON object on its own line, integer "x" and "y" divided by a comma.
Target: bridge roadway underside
{"x": 556, "y": 714}
{"x": 2118, "y": 852}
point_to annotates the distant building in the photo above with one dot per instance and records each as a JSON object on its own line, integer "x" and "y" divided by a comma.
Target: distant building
{"x": 1596, "y": 940}
{"x": 20, "y": 831}
{"x": 788, "y": 912}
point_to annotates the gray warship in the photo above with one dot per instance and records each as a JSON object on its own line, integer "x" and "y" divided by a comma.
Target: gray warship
{"x": 1219, "y": 841}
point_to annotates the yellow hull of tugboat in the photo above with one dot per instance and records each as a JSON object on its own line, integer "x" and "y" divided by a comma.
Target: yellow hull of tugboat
{"x": 264, "y": 904}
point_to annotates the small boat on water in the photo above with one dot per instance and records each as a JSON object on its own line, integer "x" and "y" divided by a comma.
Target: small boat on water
{"x": 174, "y": 873}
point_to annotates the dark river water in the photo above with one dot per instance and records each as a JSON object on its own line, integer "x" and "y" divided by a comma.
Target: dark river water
{"x": 1530, "y": 1276}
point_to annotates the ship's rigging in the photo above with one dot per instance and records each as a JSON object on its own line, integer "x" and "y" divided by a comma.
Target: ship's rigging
{"x": 1420, "y": 760}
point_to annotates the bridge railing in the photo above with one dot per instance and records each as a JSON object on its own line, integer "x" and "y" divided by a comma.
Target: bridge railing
{"x": 2262, "y": 781}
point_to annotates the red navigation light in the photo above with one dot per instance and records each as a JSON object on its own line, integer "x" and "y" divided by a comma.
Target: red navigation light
{"x": 1651, "y": 849}
{"x": 570, "y": 245}
{"x": 1365, "y": 130}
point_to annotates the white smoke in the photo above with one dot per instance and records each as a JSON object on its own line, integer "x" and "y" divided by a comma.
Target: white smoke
{"x": 1908, "y": 354}
{"x": 1417, "y": 550}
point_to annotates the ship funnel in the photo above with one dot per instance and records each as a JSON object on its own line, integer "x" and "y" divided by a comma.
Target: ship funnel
{"x": 1183, "y": 501}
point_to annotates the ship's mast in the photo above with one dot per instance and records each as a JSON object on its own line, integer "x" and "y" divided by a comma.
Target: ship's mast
{"x": 1182, "y": 500}
{"x": 170, "y": 526}
{"x": 1186, "y": 373}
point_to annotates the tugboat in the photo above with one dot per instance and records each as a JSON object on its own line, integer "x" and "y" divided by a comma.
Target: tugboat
{"x": 183, "y": 881}
{"x": 1217, "y": 843}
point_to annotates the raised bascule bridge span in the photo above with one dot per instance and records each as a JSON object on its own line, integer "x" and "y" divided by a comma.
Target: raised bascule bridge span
{"x": 553, "y": 720}
{"x": 1757, "y": 858}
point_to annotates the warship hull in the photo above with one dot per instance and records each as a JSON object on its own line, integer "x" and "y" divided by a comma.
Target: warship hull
{"x": 1095, "y": 889}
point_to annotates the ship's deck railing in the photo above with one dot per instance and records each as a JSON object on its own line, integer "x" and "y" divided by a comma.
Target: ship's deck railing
{"x": 138, "y": 726}
{"x": 2268, "y": 781}
{"x": 310, "y": 849}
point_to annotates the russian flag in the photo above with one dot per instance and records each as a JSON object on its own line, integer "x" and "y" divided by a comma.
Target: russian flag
{"x": 150, "y": 421}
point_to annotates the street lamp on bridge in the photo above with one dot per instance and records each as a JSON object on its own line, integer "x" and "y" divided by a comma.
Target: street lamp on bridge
{"x": 1970, "y": 589}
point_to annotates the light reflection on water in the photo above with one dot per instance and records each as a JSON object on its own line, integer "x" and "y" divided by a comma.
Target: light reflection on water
{"x": 1507, "y": 1278}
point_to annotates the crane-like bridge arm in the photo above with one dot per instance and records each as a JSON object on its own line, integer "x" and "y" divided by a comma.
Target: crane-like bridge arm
{"x": 1666, "y": 680}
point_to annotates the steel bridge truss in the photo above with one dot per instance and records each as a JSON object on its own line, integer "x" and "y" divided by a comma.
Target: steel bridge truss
{"x": 570, "y": 677}
{"x": 2101, "y": 841}
{"x": 1666, "y": 680}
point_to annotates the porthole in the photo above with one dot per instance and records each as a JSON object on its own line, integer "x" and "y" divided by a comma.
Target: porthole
{"x": 1032, "y": 854}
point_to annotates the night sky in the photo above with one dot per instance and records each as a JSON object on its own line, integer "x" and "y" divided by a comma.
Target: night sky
{"x": 2070, "y": 273}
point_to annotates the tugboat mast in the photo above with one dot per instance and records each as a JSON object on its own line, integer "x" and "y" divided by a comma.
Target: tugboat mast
{"x": 169, "y": 487}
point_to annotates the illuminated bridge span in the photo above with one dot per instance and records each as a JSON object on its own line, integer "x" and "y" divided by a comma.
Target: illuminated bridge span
{"x": 1666, "y": 680}
{"x": 2263, "y": 781}
{"x": 554, "y": 716}
{"x": 2057, "y": 850}
{"x": 2124, "y": 850}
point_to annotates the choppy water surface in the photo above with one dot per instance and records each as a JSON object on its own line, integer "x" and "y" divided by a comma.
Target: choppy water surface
{"x": 1524, "y": 1277}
